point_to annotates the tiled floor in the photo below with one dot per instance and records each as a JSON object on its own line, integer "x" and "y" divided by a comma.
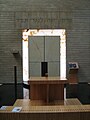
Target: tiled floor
{"x": 8, "y": 95}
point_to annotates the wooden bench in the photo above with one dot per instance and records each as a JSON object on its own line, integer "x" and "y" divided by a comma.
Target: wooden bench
{"x": 54, "y": 112}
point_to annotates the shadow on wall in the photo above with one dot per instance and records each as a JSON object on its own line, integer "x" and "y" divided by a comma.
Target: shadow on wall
{"x": 80, "y": 91}
{"x": 7, "y": 94}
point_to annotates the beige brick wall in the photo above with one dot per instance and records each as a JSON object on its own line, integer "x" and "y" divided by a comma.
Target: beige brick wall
{"x": 72, "y": 15}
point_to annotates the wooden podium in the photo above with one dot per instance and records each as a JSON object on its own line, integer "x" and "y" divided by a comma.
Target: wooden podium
{"x": 47, "y": 89}
{"x": 73, "y": 71}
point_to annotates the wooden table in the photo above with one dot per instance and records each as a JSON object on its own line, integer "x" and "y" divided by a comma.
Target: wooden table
{"x": 47, "y": 88}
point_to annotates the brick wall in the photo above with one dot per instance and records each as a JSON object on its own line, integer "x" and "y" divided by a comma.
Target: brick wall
{"x": 16, "y": 15}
